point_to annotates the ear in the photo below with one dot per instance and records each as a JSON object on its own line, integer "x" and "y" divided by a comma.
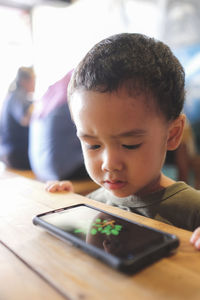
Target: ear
{"x": 175, "y": 132}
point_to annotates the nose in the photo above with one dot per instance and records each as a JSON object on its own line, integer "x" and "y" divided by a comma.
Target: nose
{"x": 111, "y": 161}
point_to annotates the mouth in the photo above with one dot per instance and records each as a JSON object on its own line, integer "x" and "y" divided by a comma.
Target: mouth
{"x": 114, "y": 184}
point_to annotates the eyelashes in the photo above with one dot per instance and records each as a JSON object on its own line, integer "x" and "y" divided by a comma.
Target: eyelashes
{"x": 129, "y": 147}
{"x": 93, "y": 147}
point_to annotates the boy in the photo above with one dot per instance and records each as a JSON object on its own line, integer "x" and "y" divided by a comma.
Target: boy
{"x": 126, "y": 98}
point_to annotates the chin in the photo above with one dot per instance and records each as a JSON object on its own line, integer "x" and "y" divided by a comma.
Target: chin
{"x": 121, "y": 194}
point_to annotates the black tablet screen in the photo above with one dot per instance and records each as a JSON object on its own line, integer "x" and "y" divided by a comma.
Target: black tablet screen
{"x": 110, "y": 233}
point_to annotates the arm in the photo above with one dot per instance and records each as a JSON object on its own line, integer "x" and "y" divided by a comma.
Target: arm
{"x": 59, "y": 186}
{"x": 26, "y": 118}
{"x": 195, "y": 238}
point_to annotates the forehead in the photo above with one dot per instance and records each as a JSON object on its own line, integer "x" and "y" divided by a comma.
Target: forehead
{"x": 111, "y": 111}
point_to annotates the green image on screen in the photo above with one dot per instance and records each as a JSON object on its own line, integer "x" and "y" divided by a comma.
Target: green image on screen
{"x": 107, "y": 227}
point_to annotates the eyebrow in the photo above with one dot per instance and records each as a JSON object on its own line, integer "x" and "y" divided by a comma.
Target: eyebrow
{"x": 132, "y": 133}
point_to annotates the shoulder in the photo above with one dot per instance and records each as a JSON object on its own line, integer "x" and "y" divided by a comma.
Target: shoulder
{"x": 181, "y": 206}
{"x": 182, "y": 192}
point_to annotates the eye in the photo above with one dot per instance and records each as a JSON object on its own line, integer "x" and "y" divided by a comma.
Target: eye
{"x": 131, "y": 147}
{"x": 93, "y": 147}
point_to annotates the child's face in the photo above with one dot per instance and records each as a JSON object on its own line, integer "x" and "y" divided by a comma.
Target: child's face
{"x": 123, "y": 140}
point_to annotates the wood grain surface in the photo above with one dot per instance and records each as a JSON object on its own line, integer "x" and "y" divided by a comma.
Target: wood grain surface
{"x": 69, "y": 272}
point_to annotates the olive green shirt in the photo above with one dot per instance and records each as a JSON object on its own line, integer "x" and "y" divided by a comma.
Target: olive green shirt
{"x": 178, "y": 204}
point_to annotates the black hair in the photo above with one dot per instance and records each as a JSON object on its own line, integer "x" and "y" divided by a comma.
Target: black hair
{"x": 141, "y": 63}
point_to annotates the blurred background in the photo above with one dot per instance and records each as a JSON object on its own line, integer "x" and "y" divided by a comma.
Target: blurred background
{"x": 53, "y": 35}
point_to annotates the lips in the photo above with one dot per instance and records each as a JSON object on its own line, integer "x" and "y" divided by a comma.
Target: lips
{"x": 114, "y": 184}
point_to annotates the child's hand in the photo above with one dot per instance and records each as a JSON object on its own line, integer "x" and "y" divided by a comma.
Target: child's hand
{"x": 59, "y": 186}
{"x": 195, "y": 238}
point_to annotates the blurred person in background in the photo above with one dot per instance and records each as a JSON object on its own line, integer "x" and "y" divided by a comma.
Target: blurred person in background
{"x": 15, "y": 117}
{"x": 52, "y": 137}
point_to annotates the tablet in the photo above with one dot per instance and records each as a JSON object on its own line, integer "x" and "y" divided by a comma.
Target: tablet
{"x": 121, "y": 243}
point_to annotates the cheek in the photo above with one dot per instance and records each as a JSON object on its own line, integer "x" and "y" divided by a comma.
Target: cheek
{"x": 155, "y": 154}
{"x": 152, "y": 154}
{"x": 90, "y": 161}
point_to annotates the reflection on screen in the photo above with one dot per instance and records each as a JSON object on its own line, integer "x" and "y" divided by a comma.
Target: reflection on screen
{"x": 112, "y": 234}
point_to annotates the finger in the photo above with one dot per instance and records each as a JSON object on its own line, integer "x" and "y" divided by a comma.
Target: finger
{"x": 52, "y": 186}
{"x": 66, "y": 186}
{"x": 197, "y": 244}
{"x": 195, "y": 236}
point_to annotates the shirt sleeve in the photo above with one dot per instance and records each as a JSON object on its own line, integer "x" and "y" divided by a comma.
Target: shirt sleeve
{"x": 19, "y": 106}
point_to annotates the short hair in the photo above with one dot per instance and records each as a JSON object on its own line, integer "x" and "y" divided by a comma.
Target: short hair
{"x": 140, "y": 63}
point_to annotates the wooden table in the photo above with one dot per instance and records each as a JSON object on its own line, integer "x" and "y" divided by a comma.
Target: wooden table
{"x": 81, "y": 186}
{"x": 36, "y": 265}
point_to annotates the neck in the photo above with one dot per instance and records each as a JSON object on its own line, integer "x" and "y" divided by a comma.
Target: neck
{"x": 158, "y": 184}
